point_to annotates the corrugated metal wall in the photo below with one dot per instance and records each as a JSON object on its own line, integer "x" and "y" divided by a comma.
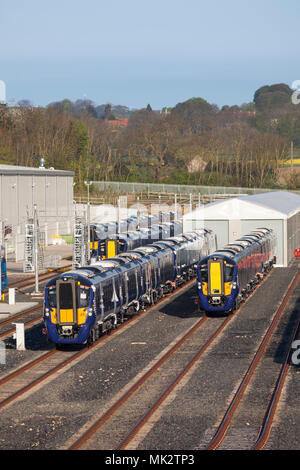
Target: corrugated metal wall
{"x": 51, "y": 192}
{"x": 227, "y": 232}
{"x": 293, "y": 235}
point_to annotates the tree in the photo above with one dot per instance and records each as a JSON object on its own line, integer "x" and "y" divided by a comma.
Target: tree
{"x": 195, "y": 114}
{"x": 268, "y": 98}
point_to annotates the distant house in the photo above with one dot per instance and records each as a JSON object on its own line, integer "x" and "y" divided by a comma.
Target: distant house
{"x": 122, "y": 122}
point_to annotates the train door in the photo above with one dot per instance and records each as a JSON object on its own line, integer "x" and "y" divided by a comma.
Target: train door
{"x": 111, "y": 248}
{"x": 108, "y": 297}
{"x": 138, "y": 282}
{"x": 155, "y": 272}
{"x": 66, "y": 301}
{"x": 116, "y": 298}
{"x": 125, "y": 288}
{"x": 215, "y": 277}
{"x": 146, "y": 277}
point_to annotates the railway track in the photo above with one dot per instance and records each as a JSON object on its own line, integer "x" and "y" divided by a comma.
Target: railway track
{"x": 238, "y": 396}
{"x": 112, "y": 418}
{"x": 129, "y": 403}
{"x": 25, "y": 378}
{"x": 35, "y": 312}
{"x": 30, "y": 281}
{"x": 156, "y": 382}
{"x": 109, "y": 422}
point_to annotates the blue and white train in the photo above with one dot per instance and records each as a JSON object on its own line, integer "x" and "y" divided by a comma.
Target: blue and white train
{"x": 225, "y": 277}
{"x": 82, "y": 304}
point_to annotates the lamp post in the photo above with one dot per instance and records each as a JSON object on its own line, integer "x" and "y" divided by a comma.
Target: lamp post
{"x": 88, "y": 220}
{"x": 36, "y": 250}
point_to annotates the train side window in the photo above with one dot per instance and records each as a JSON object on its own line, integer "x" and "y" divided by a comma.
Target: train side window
{"x": 204, "y": 272}
{"x": 84, "y": 296}
{"x": 228, "y": 272}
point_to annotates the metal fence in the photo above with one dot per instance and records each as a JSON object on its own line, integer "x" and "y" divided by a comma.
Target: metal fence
{"x": 120, "y": 187}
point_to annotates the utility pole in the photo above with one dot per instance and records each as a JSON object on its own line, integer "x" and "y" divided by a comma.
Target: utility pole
{"x": 36, "y": 250}
{"x": 88, "y": 222}
{"x": 2, "y": 239}
{"x": 138, "y": 213}
{"x": 119, "y": 217}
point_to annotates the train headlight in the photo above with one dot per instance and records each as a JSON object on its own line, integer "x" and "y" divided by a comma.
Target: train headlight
{"x": 199, "y": 285}
{"x": 234, "y": 285}
{"x": 90, "y": 312}
{"x": 47, "y": 312}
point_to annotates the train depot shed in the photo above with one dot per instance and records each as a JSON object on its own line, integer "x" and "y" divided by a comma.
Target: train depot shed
{"x": 24, "y": 189}
{"x": 235, "y": 217}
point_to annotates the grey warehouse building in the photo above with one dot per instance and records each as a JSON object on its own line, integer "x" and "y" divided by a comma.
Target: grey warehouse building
{"x": 52, "y": 192}
{"x": 235, "y": 217}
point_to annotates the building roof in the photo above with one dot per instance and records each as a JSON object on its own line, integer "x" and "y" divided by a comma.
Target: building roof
{"x": 270, "y": 205}
{"x": 26, "y": 170}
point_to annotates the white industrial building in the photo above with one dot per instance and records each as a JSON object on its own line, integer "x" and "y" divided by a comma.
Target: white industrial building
{"x": 22, "y": 189}
{"x": 235, "y": 217}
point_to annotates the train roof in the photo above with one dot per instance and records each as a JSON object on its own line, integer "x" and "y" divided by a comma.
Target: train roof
{"x": 228, "y": 253}
{"x": 148, "y": 249}
{"x": 237, "y": 246}
{"x": 131, "y": 255}
{"x": 243, "y": 241}
{"x": 107, "y": 263}
{"x": 85, "y": 271}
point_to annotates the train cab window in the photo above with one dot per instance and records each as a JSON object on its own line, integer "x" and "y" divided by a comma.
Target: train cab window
{"x": 102, "y": 248}
{"x": 228, "y": 272}
{"x": 92, "y": 234}
{"x": 66, "y": 296}
{"x": 52, "y": 297}
{"x": 204, "y": 272}
{"x": 84, "y": 296}
{"x": 121, "y": 247}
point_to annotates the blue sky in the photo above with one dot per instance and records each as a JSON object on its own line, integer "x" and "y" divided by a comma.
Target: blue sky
{"x": 134, "y": 52}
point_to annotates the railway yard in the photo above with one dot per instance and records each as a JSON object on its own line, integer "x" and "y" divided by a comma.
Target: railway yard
{"x": 169, "y": 378}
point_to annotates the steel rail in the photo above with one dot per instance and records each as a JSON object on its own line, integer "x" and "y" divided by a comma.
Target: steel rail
{"x": 169, "y": 389}
{"x": 265, "y": 430}
{"x": 104, "y": 418}
{"x": 66, "y": 362}
{"x": 42, "y": 278}
{"x": 227, "y": 418}
{"x": 110, "y": 412}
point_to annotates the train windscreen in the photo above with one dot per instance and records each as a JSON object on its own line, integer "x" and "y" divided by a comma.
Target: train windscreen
{"x": 66, "y": 296}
